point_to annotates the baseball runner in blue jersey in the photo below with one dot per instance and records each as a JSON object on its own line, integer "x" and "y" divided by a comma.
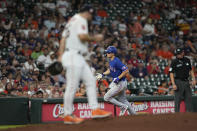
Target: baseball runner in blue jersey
{"x": 117, "y": 70}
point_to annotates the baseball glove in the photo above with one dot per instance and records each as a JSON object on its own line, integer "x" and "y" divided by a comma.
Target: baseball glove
{"x": 55, "y": 68}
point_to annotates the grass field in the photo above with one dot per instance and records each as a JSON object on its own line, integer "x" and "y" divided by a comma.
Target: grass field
{"x": 10, "y": 126}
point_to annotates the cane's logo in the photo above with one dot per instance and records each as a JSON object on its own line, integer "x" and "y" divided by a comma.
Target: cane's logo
{"x": 58, "y": 110}
{"x": 140, "y": 106}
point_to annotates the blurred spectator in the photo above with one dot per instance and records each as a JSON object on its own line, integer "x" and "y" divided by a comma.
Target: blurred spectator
{"x": 164, "y": 52}
{"x": 81, "y": 92}
{"x": 36, "y": 53}
{"x": 153, "y": 67}
{"x": 154, "y": 15}
{"x": 155, "y": 93}
{"x": 39, "y": 94}
{"x": 102, "y": 86}
{"x": 31, "y": 89}
{"x": 29, "y": 66}
{"x": 7, "y": 24}
{"x": 63, "y": 6}
{"x": 1, "y": 88}
{"x": 42, "y": 58}
{"x": 149, "y": 30}
{"x": 10, "y": 78}
{"x": 61, "y": 78}
{"x": 50, "y": 22}
{"x": 189, "y": 49}
{"x": 140, "y": 71}
{"x": 122, "y": 27}
{"x": 50, "y": 59}
{"x": 8, "y": 88}
{"x": 49, "y": 5}
{"x": 101, "y": 12}
{"x": 163, "y": 88}
{"x": 136, "y": 29}
{"x": 3, "y": 82}
{"x": 133, "y": 60}
{"x": 26, "y": 50}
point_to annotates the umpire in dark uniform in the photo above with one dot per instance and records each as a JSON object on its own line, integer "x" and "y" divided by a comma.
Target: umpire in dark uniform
{"x": 180, "y": 70}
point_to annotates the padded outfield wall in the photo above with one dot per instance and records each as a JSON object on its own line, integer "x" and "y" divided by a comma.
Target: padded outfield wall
{"x": 20, "y": 110}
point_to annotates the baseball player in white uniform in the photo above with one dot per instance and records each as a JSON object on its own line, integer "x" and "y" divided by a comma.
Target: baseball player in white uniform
{"x": 73, "y": 47}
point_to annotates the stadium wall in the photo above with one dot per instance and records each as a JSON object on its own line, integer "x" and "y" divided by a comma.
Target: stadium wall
{"x": 20, "y": 110}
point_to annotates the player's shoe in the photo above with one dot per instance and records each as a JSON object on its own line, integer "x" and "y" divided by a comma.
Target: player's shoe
{"x": 71, "y": 119}
{"x": 98, "y": 113}
{"x": 123, "y": 109}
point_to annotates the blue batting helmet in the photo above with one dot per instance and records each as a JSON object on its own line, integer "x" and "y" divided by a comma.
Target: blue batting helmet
{"x": 111, "y": 49}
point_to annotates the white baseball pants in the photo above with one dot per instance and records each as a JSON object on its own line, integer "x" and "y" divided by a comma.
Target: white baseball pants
{"x": 77, "y": 69}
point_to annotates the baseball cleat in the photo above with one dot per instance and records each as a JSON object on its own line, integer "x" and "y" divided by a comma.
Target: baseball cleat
{"x": 71, "y": 119}
{"x": 98, "y": 113}
{"x": 123, "y": 110}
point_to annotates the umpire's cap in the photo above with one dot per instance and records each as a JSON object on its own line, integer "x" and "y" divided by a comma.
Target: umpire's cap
{"x": 87, "y": 8}
{"x": 178, "y": 51}
{"x": 111, "y": 49}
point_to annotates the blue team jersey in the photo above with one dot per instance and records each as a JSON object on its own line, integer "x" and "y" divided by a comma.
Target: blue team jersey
{"x": 116, "y": 68}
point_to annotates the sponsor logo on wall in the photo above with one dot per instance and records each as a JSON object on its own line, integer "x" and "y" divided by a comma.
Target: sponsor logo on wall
{"x": 55, "y": 112}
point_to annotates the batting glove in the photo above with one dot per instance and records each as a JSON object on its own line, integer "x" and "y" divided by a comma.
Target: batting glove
{"x": 116, "y": 80}
{"x": 99, "y": 76}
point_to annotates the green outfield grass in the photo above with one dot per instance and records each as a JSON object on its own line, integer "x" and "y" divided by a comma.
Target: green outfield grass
{"x": 10, "y": 126}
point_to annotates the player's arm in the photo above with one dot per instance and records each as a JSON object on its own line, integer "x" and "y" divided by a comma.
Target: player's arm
{"x": 61, "y": 48}
{"x": 123, "y": 74}
{"x": 172, "y": 78}
{"x": 192, "y": 74}
{"x": 123, "y": 68}
{"x": 193, "y": 77}
{"x": 171, "y": 70}
{"x": 107, "y": 72}
{"x": 89, "y": 38}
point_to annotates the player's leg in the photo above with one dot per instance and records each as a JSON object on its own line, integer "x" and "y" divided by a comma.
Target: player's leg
{"x": 188, "y": 97}
{"x": 72, "y": 80}
{"x": 178, "y": 94}
{"x": 122, "y": 98}
{"x": 73, "y": 71}
{"x": 72, "y": 83}
{"x": 115, "y": 89}
{"x": 90, "y": 82}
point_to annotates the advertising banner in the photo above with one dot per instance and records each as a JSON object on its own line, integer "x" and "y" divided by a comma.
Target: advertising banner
{"x": 55, "y": 112}
{"x": 153, "y": 107}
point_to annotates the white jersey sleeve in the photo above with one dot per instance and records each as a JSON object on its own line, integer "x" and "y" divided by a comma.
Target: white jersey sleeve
{"x": 82, "y": 27}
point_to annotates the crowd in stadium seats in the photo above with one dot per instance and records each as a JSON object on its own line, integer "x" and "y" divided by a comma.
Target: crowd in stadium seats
{"x": 145, "y": 32}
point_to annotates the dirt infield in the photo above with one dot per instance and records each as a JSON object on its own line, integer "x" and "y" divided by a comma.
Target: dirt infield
{"x": 164, "y": 122}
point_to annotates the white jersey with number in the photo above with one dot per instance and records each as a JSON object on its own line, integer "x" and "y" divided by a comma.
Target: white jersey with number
{"x": 76, "y": 25}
